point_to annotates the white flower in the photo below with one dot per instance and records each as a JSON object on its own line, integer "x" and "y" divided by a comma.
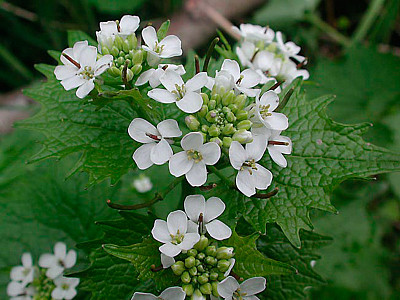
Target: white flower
{"x": 169, "y": 46}
{"x": 167, "y": 261}
{"x": 246, "y": 53}
{"x": 65, "y": 288}
{"x": 156, "y": 148}
{"x": 142, "y": 184}
{"x": 204, "y": 213}
{"x": 171, "y": 293}
{"x": 255, "y": 33}
{"x": 263, "y": 112}
{"x": 277, "y": 146}
{"x": 193, "y": 160}
{"x": 152, "y": 76}
{"x": 59, "y": 261}
{"x": 24, "y": 273}
{"x": 251, "y": 175}
{"x": 230, "y": 289}
{"x": 173, "y": 234}
{"x": 81, "y": 67}
{"x": 289, "y": 49}
{"x": 19, "y": 291}
{"x": 185, "y": 95}
{"x": 287, "y": 71}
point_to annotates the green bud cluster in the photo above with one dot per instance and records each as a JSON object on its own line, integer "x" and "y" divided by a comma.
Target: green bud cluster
{"x": 43, "y": 286}
{"x": 202, "y": 268}
{"x": 124, "y": 52}
{"x": 222, "y": 118}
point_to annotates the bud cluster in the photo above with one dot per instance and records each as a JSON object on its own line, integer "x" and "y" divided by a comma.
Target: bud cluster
{"x": 222, "y": 118}
{"x": 43, "y": 286}
{"x": 203, "y": 267}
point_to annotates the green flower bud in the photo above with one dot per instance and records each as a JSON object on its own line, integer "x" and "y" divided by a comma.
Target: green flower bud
{"x": 223, "y": 265}
{"x": 206, "y": 288}
{"x": 211, "y": 116}
{"x": 190, "y": 262}
{"x": 226, "y": 142}
{"x": 119, "y": 42}
{"x": 138, "y": 57}
{"x": 194, "y": 280}
{"x": 201, "y": 255}
{"x": 104, "y": 50}
{"x": 211, "y": 250}
{"x": 136, "y": 69}
{"x": 242, "y": 136}
{"x": 216, "y": 140}
{"x": 203, "y": 111}
{"x": 226, "y": 110}
{"x": 193, "y": 271}
{"x": 205, "y": 98}
{"x": 213, "y": 276}
{"x": 125, "y": 46}
{"x": 233, "y": 107}
{"x": 212, "y": 261}
{"x": 201, "y": 245}
{"x": 204, "y": 128}
{"x": 245, "y": 124}
{"x": 241, "y": 115}
{"x": 129, "y": 75}
{"x": 185, "y": 277}
{"x": 192, "y": 123}
{"x": 240, "y": 101}
{"x": 214, "y": 130}
{"x": 192, "y": 252}
{"x": 113, "y": 71}
{"x": 212, "y": 104}
{"x": 114, "y": 52}
{"x": 203, "y": 279}
{"x": 201, "y": 269}
{"x": 121, "y": 60}
{"x": 198, "y": 262}
{"x": 132, "y": 41}
{"x": 228, "y": 129}
{"x": 214, "y": 286}
{"x": 178, "y": 268}
{"x": 188, "y": 289}
{"x": 271, "y": 47}
{"x": 197, "y": 295}
{"x": 221, "y": 276}
{"x": 228, "y": 98}
{"x": 225, "y": 252}
{"x": 230, "y": 116}
{"x": 204, "y": 136}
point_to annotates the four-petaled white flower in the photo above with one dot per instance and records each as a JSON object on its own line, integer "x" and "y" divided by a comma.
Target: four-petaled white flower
{"x": 18, "y": 291}
{"x": 156, "y": 148}
{"x": 142, "y": 184}
{"x": 59, "y": 261}
{"x": 204, "y": 213}
{"x": 230, "y": 289}
{"x": 152, "y": 76}
{"x": 251, "y": 175}
{"x": 65, "y": 288}
{"x": 173, "y": 233}
{"x": 289, "y": 49}
{"x": 255, "y": 33}
{"x": 171, "y": 293}
{"x": 24, "y": 274}
{"x": 287, "y": 71}
{"x": 193, "y": 160}
{"x": 185, "y": 95}
{"x": 81, "y": 67}
{"x": 168, "y": 47}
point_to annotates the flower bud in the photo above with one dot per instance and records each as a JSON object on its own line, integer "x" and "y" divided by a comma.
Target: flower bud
{"x": 136, "y": 69}
{"x": 230, "y": 116}
{"x": 211, "y": 250}
{"x": 221, "y": 276}
{"x": 197, "y": 295}
{"x": 201, "y": 269}
{"x": 198, "y": 262}
{"x": 212, "y": 104}
{"x": 211, "y": 116}
{"x": 193, "y": 271}
{"x": 240, "y": 101}
{"x": 233, "y": 107}
{"x": 214, "y": 286}
{"x": 242, "y": 136}
{"x": 206, "y": 288}
{"x": 271, "y": 47}
{"x": 121, "y": 60}
{"x": 203, "y": 111}
{"x": 114, "y": 52}
{"x": 113, "y": 71}
{"x": 188, "y": 289}
{"x": 228, "y": 129}
{"x": 216, "y": 140}
{"x": 194, "y": 280}
{"x": 245, "y": 124}
{"x": 192, "y": 123}
{"x": 241, "y": 115}
{"x": 214, "y": 130}
{"x": 138, "y": 57}
{"x": 223, "y": 265}
{"x": 119, "y": 42}
{"x": 104, "y": 50}
{"x": 185, "y": 277}
{"x": 125, "y": 46}
{"x": 213, "y": 276}
{"x": 192, "y": 252}
{"x": 225, "y": 253}
{"x": 204, "y": 128}
{"x": 129, "y": 75}
{"x": 132, "y": 41}
{"x": 202, "y": 279}
{"x": 212, "y": 261}
{"x": 228, "y": 98}
{"x": 226, "y": 142}
{"x": 201, "y": 255}
{"x": 201, "y": 245}
{"x": 190, "y": 262}
{"x": 205, "y": 98}
{"x": 178, "y": 268}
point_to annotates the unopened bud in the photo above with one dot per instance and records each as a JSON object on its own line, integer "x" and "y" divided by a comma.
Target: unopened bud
{"x": 271, "y": 47}
{"x": 114, "y": 51}
{"x": 241, "y": 115}
{"x": 233, "y": 107}
{"x": 204, "y": 128}
{"x": 121, "y": 60}
{"x": 212, "y": 261}
{"x": 201, "y": 255}
{"x": 136, "y": 69}
{"x": 226, "y": 109}
{"x": 194, "y": 280}
{"x": 198, "y": 262}
{"x": 213, "y": 276}
{"x": 201, "y": 269}
{"x": 178, "y": 268}
{"x": 129, "y": 75}
{"x": 113, "y": 71}
{"x": 202, "y": 279}
{"x": 226, "y": 142}
{"x": 245, "y": 124}
{"x": 206, "y": 288}
{"x": 119, "y": 42}
{"x": 211, "y": 250}
{"x": 125, "y": 46}
{"x": 197, "y": 295}
{"x": 203, "y": 111}
{"x": 193, "y": 271}
{"x": 212, "y": 104}
{"x": 228, "y": 98}
{"x": 216, "y": 140}
{"x": 242, "y": 136}
{"x": 205, "y": 98}
{"x": 201, "y": 245}
{"x": 104, "y": 50}
{"x": 214, "y": 286}
{"x": 225, "y": 252}
{"x": 185, "y": 277}
{"x": 190, "y": 262}
{"x": 188, "y": 289}
{"x": 192, "y": 252}
{"x": 137, "y": 57}
{"x": 240, "y": 101}
{"x": 132, "y": 41}
{"x": 192, "y": 123}
{"x": 211, "y": 116}
{"x": 214, "y": 130}
{"x": 223, "y": 265}
{"x": 228, "y": 129}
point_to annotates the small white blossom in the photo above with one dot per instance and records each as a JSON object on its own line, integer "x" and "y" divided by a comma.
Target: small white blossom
{"x": 81, "y": 67}
{"x": 204, "y": 213}
{"x": 168, "y": 47}
{"x": 59, "y": 261}
{"x": 171, "y": 293}
{"x": 186, "y": 95}
{"x": 255, "y": 33}
{"x": 25, "y": 273}
{"x": 289, "y": 49}
{"x": 194, "y": 158}
{"x": 65, "y": 288}
{"x": 173, "y": 233}
{"x": 152, "y": 76}
{"x": 287, "y": 71}
{"x": 18, "y": 291}
{"x": 251, "y": 175}
{"x": 142, "y": 184}
{"x": 230, "y": 289}
{"x": 156, "y": 148}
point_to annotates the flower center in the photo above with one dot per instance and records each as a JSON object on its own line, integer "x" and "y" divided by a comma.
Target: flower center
{"x": 87, "y": 73}
{"x": 240, "y": 79}
{"x": 158, "y": 48}
{"x": 238, "y": 295}
{"x": 264, "y": 111}
{"x": 180, "y": 91}
{"x": 26, "y": 272}
{"x": 250, "y": 165}
{"x": 195, "y": 155}
{"x": 177, "y": 238}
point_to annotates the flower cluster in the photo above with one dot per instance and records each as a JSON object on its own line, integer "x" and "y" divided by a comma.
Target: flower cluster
{"x": 46, "y": 281}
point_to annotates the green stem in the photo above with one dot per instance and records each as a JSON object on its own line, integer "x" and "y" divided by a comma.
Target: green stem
{"x": 329, "y": 30}
{"x": 221, "y": 176}
{"x": 209, "y": 53}
{"x": 368, "y": 19}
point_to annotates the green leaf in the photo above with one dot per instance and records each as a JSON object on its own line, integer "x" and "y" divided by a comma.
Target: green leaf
{"x": 325, "y": 153}
{"x": 77, "y": 36}
{"x": 162, "y": 31}
{"x": 117, "y": 6}
{"x": 250, "y": 262}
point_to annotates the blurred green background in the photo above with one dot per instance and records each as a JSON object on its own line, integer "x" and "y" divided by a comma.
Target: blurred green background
{"x": 354, "y": 52}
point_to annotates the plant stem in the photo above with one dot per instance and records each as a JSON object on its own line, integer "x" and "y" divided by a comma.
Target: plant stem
{"x": 221, "y": 176}
{"x": 368, "y": 19}
{"x": 209, "y": 53}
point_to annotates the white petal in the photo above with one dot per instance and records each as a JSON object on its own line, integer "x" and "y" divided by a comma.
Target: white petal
{"x": 88, "y": 57}
{"x": 264, "y": 60}
{"x": 60, "y": 250}
{"x": 250, "y": 78}
{"x": 85, "y": 89}
{"x": 70, "y": 53}
{"x": 231, "y": 265}
{"x": 190, "y": 103}
{"x": 218, "y": 230}
{"x": 70, "y": 294}
{"x": 277, "y": 121}
{"x": 179, "y": 164}
{"x": 72, "y": 82}
{"x": 194, "y": 206}
{"x": 256, "y": 149}
{"x": 143, "y": 296}
{"x": 170, "y": 79}
{"x": 166, "y": 261}
{"x": 150, "y": 36}
{"x": 253, "y": 285}
{"x": 197, "y": 176}
{"x": 103, "y": 64}
{"x": 227, "y": 287}
{"x": 173, "y": 293}
{"x": 169, "y": 128}
{"x": 15, "y": 288}
{"x": 172, "y": 46}
{"x": 262, "y": 176}
{"x": 17, "y": 273}
{"x": 65, "y": 71}
{"x": 237, "y": 155}
{"x": 189, "y": 240}
{"x": 129, "y": 24}
{"x": 78, "y": 49}
{"x": 27, "y": 260}
{"x": 57, "y": 293}
{"x": 144, "y": 77}
{"x": 192, "y": 141}
{"x": 54, "y": 271}
{"x": 142, "y": 156}
{"x": 70, "y": 259}
{"x": 270, "y": 98}
{"x": 160, "y": 231}
{"x": 161, "y": 152}
{"x": 213, "y": 209}
{"x": 245, "y": 183}
{"x": 139, "y": 127}
{"x": 177, "y": 221}
{"x": 170, "y": 249}
{"x": 197, "y": 82}
{"x": 162, "y": 96}
{"x": 192, "y": 227}
{"x": 211, "y": 153}
{"x": 232, "y": 67}
{"x": 47, "y": 260}
{"x": 277, "y": 157}
{"x": 109, "y": 27}
{"x": 154, "y": 80}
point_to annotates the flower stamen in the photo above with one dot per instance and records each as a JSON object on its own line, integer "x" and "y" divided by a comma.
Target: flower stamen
{"x": 195, "y": 155}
